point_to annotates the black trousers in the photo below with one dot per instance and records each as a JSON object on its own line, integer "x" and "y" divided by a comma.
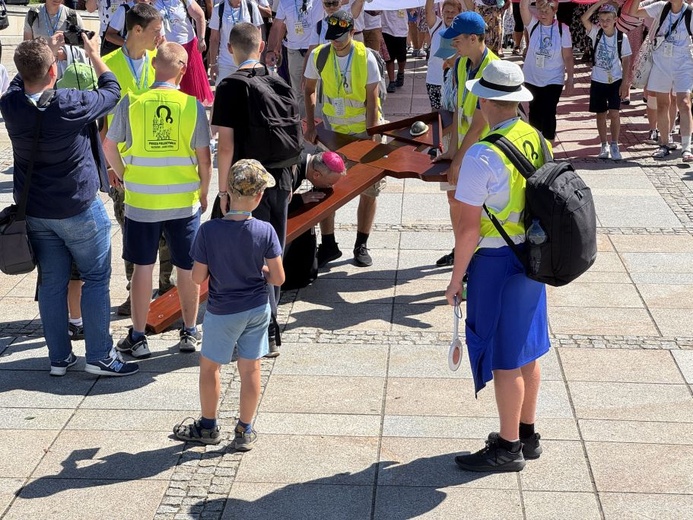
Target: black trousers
{"x": 542, "y": 109}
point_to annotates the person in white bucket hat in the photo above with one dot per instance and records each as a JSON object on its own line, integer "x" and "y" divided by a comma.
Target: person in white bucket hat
{"x": 506, "y": 323}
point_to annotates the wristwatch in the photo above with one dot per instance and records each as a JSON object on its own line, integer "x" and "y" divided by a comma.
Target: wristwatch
{"x": 223, "y": 194}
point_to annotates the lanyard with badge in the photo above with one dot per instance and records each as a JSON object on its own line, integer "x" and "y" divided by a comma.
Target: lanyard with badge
{"x": 53, "y": 25}
{"x": 235, "y": 19}
{"x": 342, "y": 83}
{"x": 470, "y": 74}
{"x": 544, "y": 46}
{"x": 669, "y": 37}
{"x": 301, "y": 17}
{"x": 142, "y": 79}
{"x": 608, "y": 57}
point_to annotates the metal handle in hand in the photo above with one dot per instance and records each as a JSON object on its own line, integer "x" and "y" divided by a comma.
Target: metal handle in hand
{"x": 455, "y": 352}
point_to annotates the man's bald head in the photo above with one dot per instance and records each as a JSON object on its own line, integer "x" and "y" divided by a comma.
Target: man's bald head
{"x": 170, "y": 61}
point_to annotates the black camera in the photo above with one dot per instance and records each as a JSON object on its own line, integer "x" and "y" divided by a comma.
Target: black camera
{"x": 73, "y": 35}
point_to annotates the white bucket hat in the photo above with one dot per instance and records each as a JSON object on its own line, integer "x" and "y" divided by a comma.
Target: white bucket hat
{"x": 501, "y": 80}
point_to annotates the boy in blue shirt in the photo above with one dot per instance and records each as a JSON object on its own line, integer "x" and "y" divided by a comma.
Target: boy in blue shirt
{"x": 240, "y": 255}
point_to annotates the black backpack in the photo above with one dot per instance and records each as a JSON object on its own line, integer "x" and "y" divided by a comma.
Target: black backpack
{"x": 301, "y": 261}
{"x": 275, "y": 133}
{"x": 619, "y": 44}
{"x": 108, "y": 47}
{"x": 560, "y": 200}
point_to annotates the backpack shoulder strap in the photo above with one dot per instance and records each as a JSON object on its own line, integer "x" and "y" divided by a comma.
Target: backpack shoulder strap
{"x": 560, "y": 30}
{"x": 435, "y": 30}
{"x": 31, "y": 16}
{"x": 249, "y": 5}
{"x": 454, "y": 71}
{"x": 662, "y": 17}
{"x": 318, "y": 27}
{"x": 600, "y": 33}
{"x": 323, "y": 54}
{"x": 222, "y": 4}
{"x": 687, "y": 18}
{"x": 515, "y": 156}
{"x": 619, "y": 42}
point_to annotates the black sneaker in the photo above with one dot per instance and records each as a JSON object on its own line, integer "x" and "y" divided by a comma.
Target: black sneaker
{"x": 188, "y": 342}
{"x": 114, "y": 365}
{"x": 244, "y": 441}
{"x": 76, "y": 332}
{"x": 59, "y": 368}
{"x": 328, "y": 253}
{"x": 492, "y": 458}
{"x": 124, "y": 308}
{"x": 446, "y": 260}
{"x": 137, "y": 349}
{"x": 196, "y": 433}
{"x": 400, "y": 79}
{"x": 361, "y": 256}
{"x": 531, "y": 448}
{"x": 391, "y": 87}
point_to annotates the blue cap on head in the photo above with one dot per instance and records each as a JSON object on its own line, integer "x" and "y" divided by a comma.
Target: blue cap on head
{"x": 468, "y": 22}
{"x": 446, "y": 50}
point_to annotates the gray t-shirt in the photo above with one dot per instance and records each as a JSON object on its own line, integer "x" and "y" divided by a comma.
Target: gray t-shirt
{"x": 119, "y": 129}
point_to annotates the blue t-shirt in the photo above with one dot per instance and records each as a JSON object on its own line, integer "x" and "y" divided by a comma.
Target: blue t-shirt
{"x": 234, "y": 252}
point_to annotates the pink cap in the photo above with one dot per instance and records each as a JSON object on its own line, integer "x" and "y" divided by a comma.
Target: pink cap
{"x": 333, "y": 161}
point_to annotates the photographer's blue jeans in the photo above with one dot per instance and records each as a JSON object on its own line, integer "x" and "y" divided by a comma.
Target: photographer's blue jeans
{"x": 86, "y": 239}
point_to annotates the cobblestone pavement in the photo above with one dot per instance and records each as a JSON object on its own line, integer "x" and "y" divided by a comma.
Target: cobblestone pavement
{"x": 359, "y": 416}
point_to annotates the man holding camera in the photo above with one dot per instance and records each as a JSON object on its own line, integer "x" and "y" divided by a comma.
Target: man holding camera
{"x": 66, "y": 219}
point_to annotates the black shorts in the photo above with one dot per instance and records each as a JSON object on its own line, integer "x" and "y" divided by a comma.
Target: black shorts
{"x": 396, "y": 47}
{"x": 604, "y": 96}
{"x": 517, "y": 17}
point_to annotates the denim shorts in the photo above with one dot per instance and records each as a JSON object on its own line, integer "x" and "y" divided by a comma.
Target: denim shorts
{"x": 247, "y": 329}
{"x": 141, "y": 240}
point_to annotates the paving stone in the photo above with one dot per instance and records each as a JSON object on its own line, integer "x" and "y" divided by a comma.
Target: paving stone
{"x": 684, "y": 360}
{"x": 642, "y": 505}
{"x": 641, "y": 468}
{"x": 333, "y": 360}
{"x": 34, "y": 418}
{"x": 394, "y": 503}
{"x": 601, "y": 320}
{"x": 631, "y": 401}
{"x": 337, "y": 316}
{"x": 549, "y": 505}
{"x": 636, "y": 366}
{"x": 323, "y": 394}
{"x": 258, "y": 501}
{"x": 579, "y": 294}
{"x": 127, "y": 420}
{"x": 420, "y": 265}
{"x": 406, "y": 361}
{"x": 348, "y": 290}
{"x": 667, "y": 296}
{"x": 422, "y": 316}
{"x": 20, "y": 453}
{"x": 8, "y": 489}
{"x": 384, "y": 265}
{"x": 653, "y": 243}
{"x": 66, "y": 499}
{"x": 293, "y": 459}
{"x": 673, "y": 322}
{"x": 649, "y": 432}
{"x": 561, "y": 467}
{"x": 659, "y": 262}
{"x": 349, "y": 425}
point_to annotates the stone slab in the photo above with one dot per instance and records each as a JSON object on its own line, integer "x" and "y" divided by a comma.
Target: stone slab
{"x": 561, "y": 467}
{"x": 34, "y": 418}
{"x": 348, "y": 425}
{"x": 550, "y": 505}
{"x": 605, "y": 277}
{"x": 396, "y": 503}
{"x": 32, "y": 389}
{"x": 14, "y": 307}
{"x": 422, "y": 316}
{"x": 630, "y": 208}
{"x": 423, "y": 207}
{"x": 323, "y": 394}
{"x": 612, "y": 179}
{"x": 667, "y": 506}
{"x": 662, "y": 278}
{"x": 349, "y": 290}
{"x": 300, "y": 458}
{"x": 427, "y": 241}
{"x": 658, "y": 262}
{"x": 636, "y": 431}
{"x": 427, "y": 292}
{"x": 652, "y": 243}
{"x": 624, "y": 366}
{"x": 8, "y": 488}
{"x": 128, "y": 420}
{"x": 601, "y": 321}
{"x": 673, "y": 322}
{"x": 580, "y": 294}
{"x": 641, "y": 468}
{"x": 257, "y": 501}
{"x": 31, "y": 353}
{"x": 166, "y": 357}
{"x": 21, "y": 453}
{"x": 67, "y": 499}
{"x": 416, "y": 264}
{"x": 384, "y": 264}
{"x": 631, "y": 401}
{"x": 684, "y": 360}
{"x": 426, "y": 361}
{"x": 607, "y": 262}
{"x": 667, "y": 296}
{"x": 330, "y": 359}
{"x": 340, "y": 316}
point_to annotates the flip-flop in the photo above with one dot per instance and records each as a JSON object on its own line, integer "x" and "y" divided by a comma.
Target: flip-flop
{"x": 455, "y": 353}
{"x": 687, "y": 156}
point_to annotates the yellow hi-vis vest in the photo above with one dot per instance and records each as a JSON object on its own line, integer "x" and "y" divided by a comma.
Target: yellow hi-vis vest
{"x": 352, "y": 120}
{"x": 118, "y": 63}
{"x": 526, "y": 139}
{"x": 161, "y": 178}
{"x": 466, "y": 101}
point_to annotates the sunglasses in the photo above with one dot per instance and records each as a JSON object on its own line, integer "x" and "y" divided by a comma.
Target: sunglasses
{"x": 344, "y": 24}
{"x": 331, "y": 4}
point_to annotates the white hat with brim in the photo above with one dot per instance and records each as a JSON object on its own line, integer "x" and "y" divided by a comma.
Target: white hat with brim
{"x": 501, "y": 80}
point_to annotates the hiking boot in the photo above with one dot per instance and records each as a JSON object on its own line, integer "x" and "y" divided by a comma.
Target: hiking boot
{"x": 361, "y": 256}
{"x": 492, "y": 458}
{"x": 531, "y": 448}
{"x": 124, "y": 308}
{"x": 196, "y": 433}
{"x": 615, "y": 153}
{"x": 76, "y": 332}
{"x": 327, "y": 253}
{"x": 400, "y": 79}
{"x": 244, "y": 441}
{"x": 446, "y": 260}
{"x": 188, "y": 342}
{"x": 59, "y": 368}
{"x": 137, "y": 349}
{"x": 114, "y": 365}
{"x": 604, "y": 153}
{"x": 391, "y": 87}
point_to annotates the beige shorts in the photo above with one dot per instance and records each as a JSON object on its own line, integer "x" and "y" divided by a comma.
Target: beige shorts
{"x": 374, "y": 191}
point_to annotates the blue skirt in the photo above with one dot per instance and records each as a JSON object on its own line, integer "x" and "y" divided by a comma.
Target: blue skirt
{"x": 506, "y": 325}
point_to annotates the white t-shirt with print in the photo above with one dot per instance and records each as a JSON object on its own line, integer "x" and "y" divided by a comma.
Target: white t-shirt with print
{"x": 544, "y": 62}
{"x": 117, "y": 21}
{"x": 107, "y": 8}
{"x": 299, "y": 24}
{"x": 434, "y": 75}
{"x": 232, "y": 16}
{"x": 679, "y": 39}
{"x": 606, "y": 56}
{"x": 395, "y": 23}
{"x": 177, "y": 27}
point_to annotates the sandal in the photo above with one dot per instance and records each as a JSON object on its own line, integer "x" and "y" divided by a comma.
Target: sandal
{"x": 517, "y": 51}
{"x": 687, "y": 156}
{"x": 661, "y": 152}
{"x": 195, "y": 433}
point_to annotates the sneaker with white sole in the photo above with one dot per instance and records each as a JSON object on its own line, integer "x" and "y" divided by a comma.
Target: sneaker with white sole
{"x": 114, "y": 365}
{"x": 76, "y": 332}
{"x": 653, "y": 137}
{"x": 188, "y": 342}
{"x": 604, "y": 153}
{"x": 137, "y": 349}
{"x": 615, "y": 153}
{"x": 59, "y": 368}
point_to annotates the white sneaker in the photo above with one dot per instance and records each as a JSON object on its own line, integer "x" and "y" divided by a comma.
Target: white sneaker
{"x": 615, "y": 154}
{"x": 653, "y": 137}
{"x": 604, "y": 154}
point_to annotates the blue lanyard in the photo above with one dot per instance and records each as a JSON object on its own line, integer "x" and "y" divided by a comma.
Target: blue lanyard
{"x": 246, "y": 62}
{"x": 164, "y": 84}
{"x": 341, "y": 81}
{"x": 673, "y": 22}
{"x": 300, "y": 15}
{"x": 145, "y": 70}
{"x": 235, "y": 20}
{"x": 53, "y": 26}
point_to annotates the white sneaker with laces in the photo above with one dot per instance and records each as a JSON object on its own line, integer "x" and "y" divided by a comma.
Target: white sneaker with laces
{"x": 615, "y": 153}
{"x": 604, "y": 154}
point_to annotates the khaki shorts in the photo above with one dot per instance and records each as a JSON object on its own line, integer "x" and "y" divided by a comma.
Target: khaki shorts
{"x": 374, "y": 191}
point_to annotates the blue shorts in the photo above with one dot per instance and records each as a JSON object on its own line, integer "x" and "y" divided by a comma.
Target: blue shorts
{"x": 247, "y": 329}
{"x": 506, "y": 325}
{"x": 141, "y": 240}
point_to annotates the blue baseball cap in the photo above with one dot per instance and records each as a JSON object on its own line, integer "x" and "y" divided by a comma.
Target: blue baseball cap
{"x": 446, "y": 50}
{"x": 468, "y": 22}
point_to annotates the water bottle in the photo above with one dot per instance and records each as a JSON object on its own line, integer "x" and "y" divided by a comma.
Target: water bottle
{"x": 536, "y": 236}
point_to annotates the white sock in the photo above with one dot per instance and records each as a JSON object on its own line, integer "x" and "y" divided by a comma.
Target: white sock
{"x": 686, "y": 142}
{"x": 76, "y": 321}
